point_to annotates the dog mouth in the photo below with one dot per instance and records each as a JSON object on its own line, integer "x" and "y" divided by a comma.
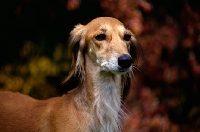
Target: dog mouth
{"x": 123, "y": 70}
{"x": 116, "y": 69}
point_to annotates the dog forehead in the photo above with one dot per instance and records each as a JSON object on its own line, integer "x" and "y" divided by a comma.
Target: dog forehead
{"x": 105, "y": 23}
{"x": 106, "y": 20}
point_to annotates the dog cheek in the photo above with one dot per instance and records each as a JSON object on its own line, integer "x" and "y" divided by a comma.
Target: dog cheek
{"x": 92, "y": 55}
{"x": 90, "y": 50}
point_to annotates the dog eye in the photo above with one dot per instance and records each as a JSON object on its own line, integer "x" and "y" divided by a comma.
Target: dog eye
{"x": 127, "y": 37}
{"x": 100, "y": 37}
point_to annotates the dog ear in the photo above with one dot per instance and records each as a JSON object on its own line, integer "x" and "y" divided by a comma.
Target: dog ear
{"x": 76, "y": 45}
{"x": 126, "y": 82}
{"x": 134, "y": 50}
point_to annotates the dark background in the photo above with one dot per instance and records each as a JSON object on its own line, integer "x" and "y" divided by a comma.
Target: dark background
{"x": 39, "y": 20}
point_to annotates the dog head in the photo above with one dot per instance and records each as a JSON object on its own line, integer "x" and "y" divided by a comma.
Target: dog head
{"x": 108, "y": 44}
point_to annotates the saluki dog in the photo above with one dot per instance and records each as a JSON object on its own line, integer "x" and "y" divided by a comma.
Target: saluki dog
{"x": 103, "y": 56}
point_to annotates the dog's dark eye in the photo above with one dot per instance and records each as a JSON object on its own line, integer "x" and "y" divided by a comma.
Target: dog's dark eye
{"x": 100, "y": 37}
{"x": 127, "y": 37}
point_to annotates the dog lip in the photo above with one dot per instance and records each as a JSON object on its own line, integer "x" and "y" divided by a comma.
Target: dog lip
{"x": 123, "y": 69}
{"x": 120, "y": 71}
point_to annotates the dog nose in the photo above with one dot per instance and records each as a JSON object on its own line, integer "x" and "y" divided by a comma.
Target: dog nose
{"x": 125, "y": 61}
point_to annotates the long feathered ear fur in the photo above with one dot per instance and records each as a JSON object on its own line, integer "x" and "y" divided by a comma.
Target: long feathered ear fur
{"x": 134, "y": 50}
{"x": 76, "y": 45}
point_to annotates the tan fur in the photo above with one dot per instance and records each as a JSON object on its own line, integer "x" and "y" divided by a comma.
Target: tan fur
{"x": 95, "y": 104}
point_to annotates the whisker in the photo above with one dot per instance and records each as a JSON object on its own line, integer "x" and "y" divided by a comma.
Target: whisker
{"x": 134, "y": 68}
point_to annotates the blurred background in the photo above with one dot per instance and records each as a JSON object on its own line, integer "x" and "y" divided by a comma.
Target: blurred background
{"x": 165, "y": 97}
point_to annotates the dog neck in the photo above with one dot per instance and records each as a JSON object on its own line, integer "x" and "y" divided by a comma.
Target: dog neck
{"x": 102, "y": 94}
